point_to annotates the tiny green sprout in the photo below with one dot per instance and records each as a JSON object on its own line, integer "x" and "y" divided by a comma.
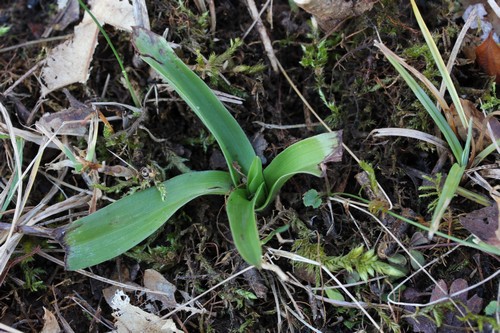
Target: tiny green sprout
{"x": 492, "y": 308}
{"x": 311, "y": 199}
{"x": 368, "y": 168}
{"x": 4, "y": 29}
{"x": 491, "y": 102}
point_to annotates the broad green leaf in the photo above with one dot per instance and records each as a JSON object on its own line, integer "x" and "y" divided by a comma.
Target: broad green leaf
{"x": 302, "y": 157}
{"x": 118, "y": 227}
{"x": 449, "y": 190}
{"x": 255, "y": 177}
{"x": 243, "y": 225}
{"x": 232, "y": 140}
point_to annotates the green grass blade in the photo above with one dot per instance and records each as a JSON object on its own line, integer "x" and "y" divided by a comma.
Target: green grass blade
{"x": 11, "y": 190}
{"x": 232, "y": 140}
{"x": 440, "y": 65}
{"x": 469, "y": 242}
{"x": 118, "y": 227}
{"x": 431, "y": 108}
{"x": 485, "y": 152}
{"x": 449, "y": 190}
{"x": 243, "y": 224}
{"x": 302, "y": 157}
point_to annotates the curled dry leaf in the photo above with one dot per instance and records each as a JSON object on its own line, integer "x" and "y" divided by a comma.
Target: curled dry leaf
{"x": 481, "y": 134}
{"x": 69, "y": 62}
{"x": 50, "y": 324}
{"x": 157, "y": 282}
{"x": 329, "y": 13}
{"x": 488, "y": 57}
{"x": 67, "y": 14}
{"x": 484, "y": 224}
{"x": 130, "y": 318}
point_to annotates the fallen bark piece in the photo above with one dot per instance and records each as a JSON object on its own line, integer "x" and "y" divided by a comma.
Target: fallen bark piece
{"x": 329, "y": 12}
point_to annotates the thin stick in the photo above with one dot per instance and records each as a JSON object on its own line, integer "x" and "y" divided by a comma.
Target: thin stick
{"x": 182, "y": 307}
{"x": 34, "y": 42}
{"x": 21, "y": 79}
{"x": 268, "y": 46}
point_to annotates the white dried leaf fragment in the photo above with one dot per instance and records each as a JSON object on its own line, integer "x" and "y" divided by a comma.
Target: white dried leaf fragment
{"x": 130, "y": 318}
{"x": 69, "y": 62}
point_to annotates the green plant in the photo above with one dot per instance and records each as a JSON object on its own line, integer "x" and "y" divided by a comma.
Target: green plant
{"x": 249, "y": 188}
{"x": 216, "y": 64}
{"x": 433, "y": 190}
{"x": 357, "y": 260}
{"x": 32, "y": 276}
{"x": 4, "y": 29}
{"x": 311, "y": 199}
{"x": 491, "y": 102}
{"x": 460, "y": 153}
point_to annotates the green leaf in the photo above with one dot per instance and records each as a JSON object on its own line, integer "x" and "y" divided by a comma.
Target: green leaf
{"x": 302, "y": 157}
{"x": 243, "y": 225}
{"x": 334, "y": 294}
{"x": 390, "y": 270}
{"x": 492, "y": 308}
{"x": 398, "y": 259}
{"x": 440, "y": 65}
{"x": 419, "y": 257}
{"x": 120, "y": 226}
{"x": 255, "y": 179}
{"x": 311, "y": 199}
{"x": 233, "y": 142}
{"x": 449, "y": 190}
{"x": 431, "y": 108}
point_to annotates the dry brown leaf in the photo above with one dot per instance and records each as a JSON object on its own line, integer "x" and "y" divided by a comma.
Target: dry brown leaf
{"x": 488, "y": 57}
{"x": 157, "y": 282}
{"x": 484, "y": 224}
{"x": 68, "y": 13}
{"x": 329, "y": 12}
{"x": 480, "y": 129}
{"x": 130, "y": 318}
{"x": 50, "y": 324}
{"x": 69, "y": 62}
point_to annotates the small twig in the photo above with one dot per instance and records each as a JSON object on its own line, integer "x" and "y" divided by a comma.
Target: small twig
{"x": 21, "y": 79}
{"x": 495, "y": 7}
{"x": 283, "y": 127}
{"x": 29, "y": 230}
{"x": 268, "y": 46}
{"x": 213, "y": 19}
{"x": 34, "y": 42}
